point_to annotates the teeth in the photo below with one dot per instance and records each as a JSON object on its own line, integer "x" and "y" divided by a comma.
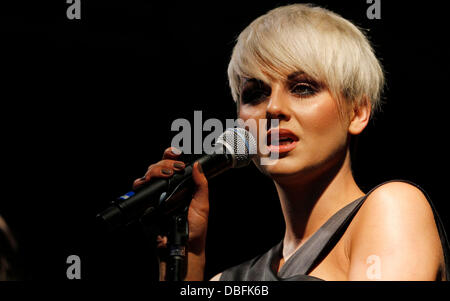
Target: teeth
{"x": 281, "y": 141}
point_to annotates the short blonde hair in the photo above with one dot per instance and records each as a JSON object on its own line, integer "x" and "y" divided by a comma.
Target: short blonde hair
{"x": 302, "y": 37}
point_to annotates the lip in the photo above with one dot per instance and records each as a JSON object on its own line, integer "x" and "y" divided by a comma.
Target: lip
{"x": 282, "y": 134}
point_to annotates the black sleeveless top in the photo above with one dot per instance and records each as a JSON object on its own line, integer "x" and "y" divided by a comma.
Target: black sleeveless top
{"x": 297, "y": 267}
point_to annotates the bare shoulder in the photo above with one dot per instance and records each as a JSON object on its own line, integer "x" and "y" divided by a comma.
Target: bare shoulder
{"x": 396, "y": 225}
{"x": 398, "y": 202}
{"x": 398, "y": 194}
{"x": 216, "y": 278}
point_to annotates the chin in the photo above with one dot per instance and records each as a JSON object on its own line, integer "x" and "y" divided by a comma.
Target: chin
{"x": 284, "y": 166}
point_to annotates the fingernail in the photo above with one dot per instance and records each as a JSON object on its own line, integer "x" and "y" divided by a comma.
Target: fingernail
{"x": 175, "y": 151}
{"x": 200, "y": 169}
{"x": 178, "y": 165}
{"x": 166, "y": 171}
{"x": 143, "y": 178}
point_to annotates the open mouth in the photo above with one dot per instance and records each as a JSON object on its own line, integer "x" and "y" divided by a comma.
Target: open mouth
{"x": 281, "y": 140}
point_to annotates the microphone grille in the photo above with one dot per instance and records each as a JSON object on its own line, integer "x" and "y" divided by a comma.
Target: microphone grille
{"x": 240, "y": 143}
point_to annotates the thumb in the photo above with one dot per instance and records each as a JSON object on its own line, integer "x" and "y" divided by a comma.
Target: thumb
{"x": 200, "y": 196}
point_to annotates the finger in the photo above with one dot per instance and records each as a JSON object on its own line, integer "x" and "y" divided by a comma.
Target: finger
{"x": 200, "y": 197}
{"x": 171, "y": 153}
{"x": 162, "y": 169}
{"x": 199, "y": 177}
{"x": 161, "y": 241}
{"x": 167, "y": 164}
{"x": 138, "y": 182}
{"x": 155, "y": 171}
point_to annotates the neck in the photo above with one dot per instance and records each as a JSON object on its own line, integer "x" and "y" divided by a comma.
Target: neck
{"x": 308, "y": 202}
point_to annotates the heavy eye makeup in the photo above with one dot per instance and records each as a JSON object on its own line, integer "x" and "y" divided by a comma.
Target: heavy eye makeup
{"x": 301, "y": 85}
{"x": 254, "y": 91}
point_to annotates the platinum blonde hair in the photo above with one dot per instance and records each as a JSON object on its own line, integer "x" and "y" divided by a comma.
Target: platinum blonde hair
{"x": 302, "y": 37}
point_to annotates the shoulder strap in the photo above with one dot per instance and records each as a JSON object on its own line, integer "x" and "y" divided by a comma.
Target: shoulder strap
{"x": 323, "y": 241}
{"x": 318, "y": 245}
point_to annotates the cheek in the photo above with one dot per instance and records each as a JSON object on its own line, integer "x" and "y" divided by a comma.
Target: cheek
{"x": 321, "y": 118}
{"x": 255, "y": 121}
{"x": 250, "y": 112}
{"x": 254, "y": 117}
{"x": 322, "y": 123}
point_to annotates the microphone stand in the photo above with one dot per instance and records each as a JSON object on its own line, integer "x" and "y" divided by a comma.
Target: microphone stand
{"x": 175, "y": 226}
{"x": 178, "y": 233}
{"x": 177, "y": 238}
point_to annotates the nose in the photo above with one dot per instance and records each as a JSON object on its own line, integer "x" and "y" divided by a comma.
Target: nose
{"x": 278, "y": 105}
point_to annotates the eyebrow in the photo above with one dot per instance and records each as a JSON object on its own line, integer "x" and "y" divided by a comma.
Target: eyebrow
{"x": 248, "y": 79}
{"x": 291, "y": 78}
{"x": 298, "y": 74}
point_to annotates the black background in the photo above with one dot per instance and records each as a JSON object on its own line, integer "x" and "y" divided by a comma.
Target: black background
{"x": 87, "y": 105}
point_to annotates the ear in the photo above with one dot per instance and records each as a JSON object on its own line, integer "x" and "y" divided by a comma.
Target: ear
{"x": 359, "y": 117}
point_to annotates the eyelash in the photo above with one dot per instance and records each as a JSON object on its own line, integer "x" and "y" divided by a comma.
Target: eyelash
{"x": 256, "y": 95}
{"x": 311, "y": 90}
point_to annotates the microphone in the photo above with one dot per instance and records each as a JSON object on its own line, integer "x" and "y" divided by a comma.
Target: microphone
{"x": 234, "y": 148}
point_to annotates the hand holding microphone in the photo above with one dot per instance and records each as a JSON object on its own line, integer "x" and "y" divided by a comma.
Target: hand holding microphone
{"x": 169, "y": 190}
{"x": 170, "y": 185}
{"x": 199, "y": 205}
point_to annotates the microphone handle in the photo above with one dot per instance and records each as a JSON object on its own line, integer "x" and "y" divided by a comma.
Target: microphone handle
{"x": 149, "y": 197}
{"x": 181, "y": 186}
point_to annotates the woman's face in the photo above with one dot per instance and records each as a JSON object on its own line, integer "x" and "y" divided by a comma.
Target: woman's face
{"x": 304, "y": 107}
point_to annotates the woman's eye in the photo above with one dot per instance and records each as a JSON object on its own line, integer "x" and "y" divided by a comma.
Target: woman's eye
{"x": 253, "y": 95}
{"x": 303, "y": 89}
{"x": 254, "y": 91}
